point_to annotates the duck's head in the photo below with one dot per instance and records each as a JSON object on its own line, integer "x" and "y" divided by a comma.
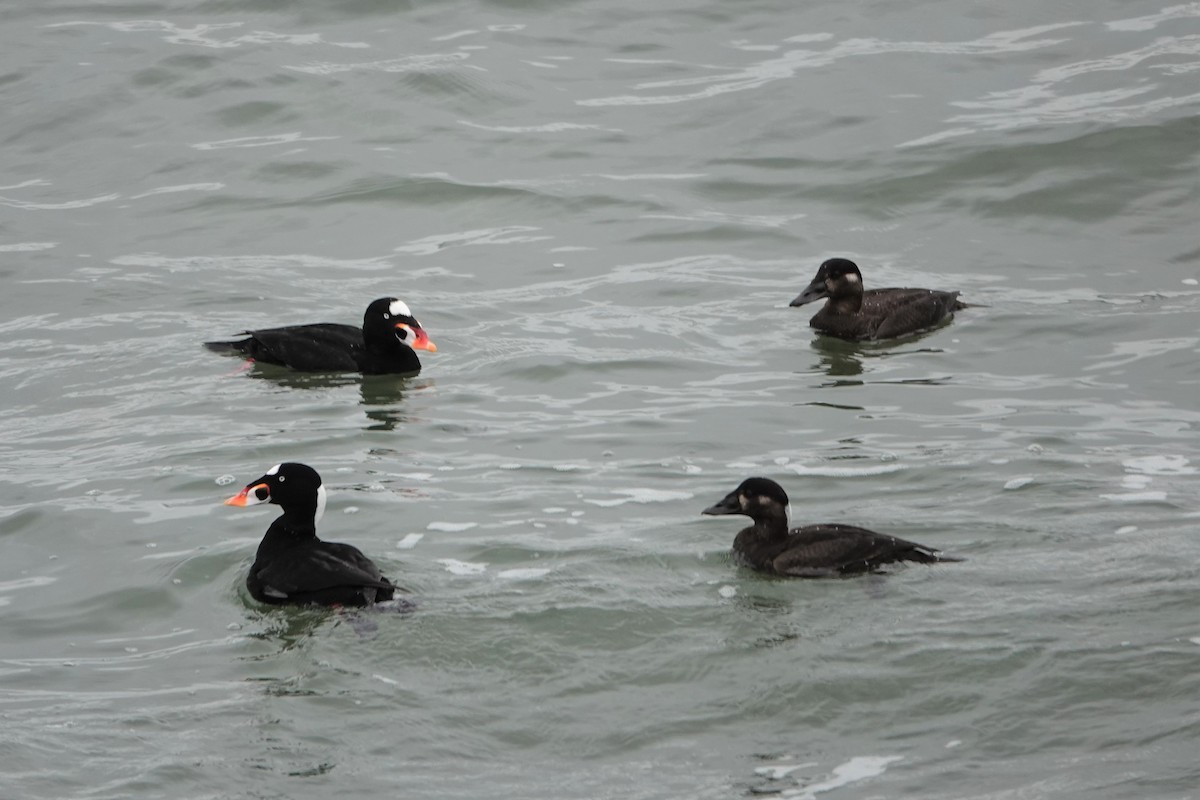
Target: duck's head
{"x": 755, "y": 498}
{"x": 836, "y": 278}
{"x": 296, "y": 487}
{"x": 389, "y": 318}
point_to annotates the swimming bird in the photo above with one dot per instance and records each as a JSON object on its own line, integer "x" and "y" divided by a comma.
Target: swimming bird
{"x": 293, "y": 566}
{"x": 854, "y": 313}
{"x": 384, "y": 345}
{"x": 811, "y": 551}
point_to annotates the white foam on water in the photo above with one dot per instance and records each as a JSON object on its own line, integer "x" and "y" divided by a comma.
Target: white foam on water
{"x": 642, "y": 496}
{"x": 727, "y": 592}
{"x": 1127, "y": 529}
{"x": 1136, "y": 497}
{"x": 456, "y": 567}
{"x": 845, "y": 472}
{"x": 856, "y": 769}
{"x": 1135, "y": 481}
{"x": 451, "y": 527}
{"x": 553, "y": 510}
{"x": 409, "y": 541}
{"x": 28, "y": 583}
{"x": 781, "y": 770}
{"x": 1159, "y": 465}
{"x": 522, "y": 574}
{"x": 1017, "y": 483}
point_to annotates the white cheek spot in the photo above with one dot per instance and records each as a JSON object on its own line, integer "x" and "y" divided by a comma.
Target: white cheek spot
{"x": 743, "y": 501}
{"x": 274, "y": 470}
{"x": 851, "y": 277}
{"x": 399, "y": 309}
{"x": 320, "y": 504}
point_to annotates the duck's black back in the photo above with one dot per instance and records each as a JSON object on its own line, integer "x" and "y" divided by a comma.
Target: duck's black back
{"x": 313, "y": 571}
{"x": 321, "y": 347}
{"x": 888, "y": 313}
{"x": 828, "y": 549}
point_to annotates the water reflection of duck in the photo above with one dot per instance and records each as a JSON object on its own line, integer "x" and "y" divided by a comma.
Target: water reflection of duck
{"x": 292, "y": 565}
{"x": 811, "y": 551}
{"x": 854, "y": 313}
{"x": 385, "y": 343}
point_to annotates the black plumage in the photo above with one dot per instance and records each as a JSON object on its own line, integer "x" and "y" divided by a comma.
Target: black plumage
{"x": 385, "y": 344}
{"x": 811, "y": 551}
{"x": 856, "y": 314}
{"x": 292, "y": 565}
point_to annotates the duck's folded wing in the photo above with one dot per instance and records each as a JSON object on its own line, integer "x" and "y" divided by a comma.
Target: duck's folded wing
{"x": 818, "y": 550}
{"x": 923, "y": 309}
{"x": 321, "y": 346}
{"x": 317, "y": 570}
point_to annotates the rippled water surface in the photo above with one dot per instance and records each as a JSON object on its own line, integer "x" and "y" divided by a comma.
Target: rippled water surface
{"x": 600, "y": 211}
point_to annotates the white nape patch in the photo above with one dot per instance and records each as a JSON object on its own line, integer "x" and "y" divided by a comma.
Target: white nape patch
{"x": 851, "y": 277}
{"x": 271, "y": 591}
{"x": 320, "y": 505}
{"x": 456, "y": 567}
{"x": 398, "y": 308}
{"x": 274, "y": 470}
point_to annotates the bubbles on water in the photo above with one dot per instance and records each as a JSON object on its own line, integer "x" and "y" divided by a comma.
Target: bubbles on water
{"x": 727, "y": 592}
{"x": 225, "y": 480}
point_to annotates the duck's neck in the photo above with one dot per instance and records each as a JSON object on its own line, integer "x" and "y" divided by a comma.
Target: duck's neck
{"x": 770, "y": 523}
{"x": 289, "y": 529}
{"x": 848, "y": 302}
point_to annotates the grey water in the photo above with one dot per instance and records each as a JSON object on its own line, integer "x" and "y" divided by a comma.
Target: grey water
{"x": 599, "y": 212}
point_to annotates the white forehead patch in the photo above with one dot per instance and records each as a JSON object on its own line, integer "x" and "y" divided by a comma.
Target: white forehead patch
{"x": 274, "y": 470}
{"x": 851, "y": 277}
{"x": 399, "y": 309}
